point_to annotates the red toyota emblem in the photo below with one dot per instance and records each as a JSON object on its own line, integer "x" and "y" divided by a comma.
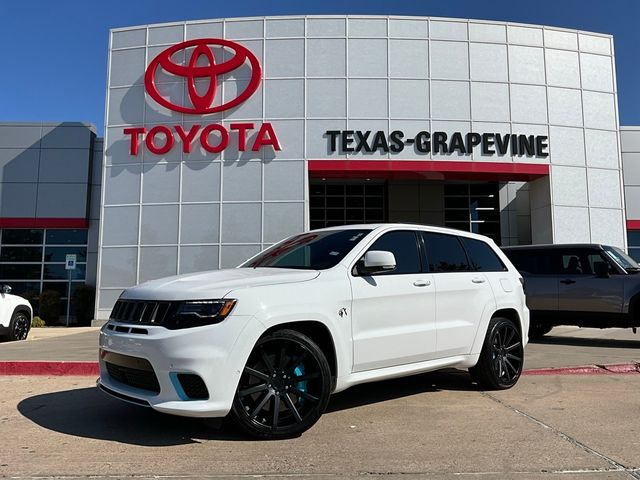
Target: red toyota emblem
{"x": 202, "y": 104}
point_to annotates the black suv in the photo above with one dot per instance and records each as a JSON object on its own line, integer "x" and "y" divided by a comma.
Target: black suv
{"x": 578, "y": 284}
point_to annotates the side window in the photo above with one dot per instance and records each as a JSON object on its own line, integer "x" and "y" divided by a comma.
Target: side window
{"x": 598, "y": 257}
{"x": 404, "y": 247}
{"x": 579, "y": 261}
{"x": 482, "y": 256}
{"x": 534, "y": 262}
{"x": 445, "y": 253}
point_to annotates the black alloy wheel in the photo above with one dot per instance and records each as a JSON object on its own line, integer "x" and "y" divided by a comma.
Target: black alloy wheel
{"x": 284, "y": 388}
{"x": 20, "y": 326}
{"x": 502, "y": 356}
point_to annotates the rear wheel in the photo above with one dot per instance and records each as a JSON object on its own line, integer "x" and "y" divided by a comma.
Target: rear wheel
{"x": 501, "y": 358}
{"x": 19, "y": 326}
{"x": 284, "y": 388}
{"x": 538, "y": 330}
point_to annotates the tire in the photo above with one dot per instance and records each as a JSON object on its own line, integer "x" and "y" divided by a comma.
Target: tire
{"x": 538, "y": 330}
{"x": 19, "y": 326}
{"x": 284, "y": 388}
{"x": 502, "y": 356}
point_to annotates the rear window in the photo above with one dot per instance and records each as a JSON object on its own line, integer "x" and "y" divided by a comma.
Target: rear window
{"x": 482, "y": 256}
{"x": 445, "y": 253}
{"x": 535, "y": 262}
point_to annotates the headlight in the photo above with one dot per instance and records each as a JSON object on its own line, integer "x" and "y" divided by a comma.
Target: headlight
{"x": 196, "y": 313}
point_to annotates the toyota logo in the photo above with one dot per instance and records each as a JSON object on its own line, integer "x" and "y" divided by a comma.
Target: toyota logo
{"x": 191, "y": 71}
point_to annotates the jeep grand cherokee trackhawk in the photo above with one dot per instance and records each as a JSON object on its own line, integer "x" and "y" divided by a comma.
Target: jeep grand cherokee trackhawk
{"x": 269, "y": 341}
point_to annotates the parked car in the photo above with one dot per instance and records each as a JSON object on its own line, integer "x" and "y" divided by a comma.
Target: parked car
{"x": 15, "y": 315}
{"x": 586, "y": 285}
{"x": 269, "y": 341}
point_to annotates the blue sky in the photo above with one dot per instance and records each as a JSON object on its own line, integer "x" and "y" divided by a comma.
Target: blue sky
{"x": 55, "y": 52}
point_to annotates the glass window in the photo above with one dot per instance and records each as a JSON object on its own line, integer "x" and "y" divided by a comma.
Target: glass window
{"x": 67, "y": 237}
{"x": 21, "y": 254}
{"x": 58, "y": 272}
{"x": 21, "y": 237}
{"x": 535, "y": 262}
{"x": 311, "y": 251}
{"x": 482, "y": 256}
{"x": 20, "y": 271}
{"x": 24, "y": 289}
{"x": 58, "y": 254}
{"x": 404, "y": 247}
{"x": 633, "y": 237}
{"x": 445, "y": 253}
{"x": 622, "y": 259}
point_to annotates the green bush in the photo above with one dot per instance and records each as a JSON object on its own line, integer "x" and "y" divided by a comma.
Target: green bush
{"x": 50, "y": 306}
{"x": 37, "y": 322}
{"x": 83, "y": 301}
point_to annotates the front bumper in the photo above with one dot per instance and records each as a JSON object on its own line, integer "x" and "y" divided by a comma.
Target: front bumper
{"x": 216, "y": 353}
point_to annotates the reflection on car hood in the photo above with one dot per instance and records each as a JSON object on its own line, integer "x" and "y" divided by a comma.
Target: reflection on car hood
{"x": 216, "y": 283}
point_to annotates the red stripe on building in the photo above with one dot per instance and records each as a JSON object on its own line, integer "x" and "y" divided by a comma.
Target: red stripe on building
{"x": 49, "y": 368}
{"x": 633, "y": 224}
{"x": 427, "y": 169}
{"x": 28, "y": 222}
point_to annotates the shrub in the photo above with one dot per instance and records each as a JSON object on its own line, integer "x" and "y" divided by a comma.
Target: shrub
{"x": 83, "y": 301}
{"x": 37, "y": 322}
{"x": 50, "y": 306}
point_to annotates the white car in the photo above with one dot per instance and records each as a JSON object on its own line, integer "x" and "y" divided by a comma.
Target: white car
{"x": 15, "y": 315}
{"x": 269, "y": 341}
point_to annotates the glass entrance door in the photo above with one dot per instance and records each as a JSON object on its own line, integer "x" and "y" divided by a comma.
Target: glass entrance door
{"x": 473, "y": 207}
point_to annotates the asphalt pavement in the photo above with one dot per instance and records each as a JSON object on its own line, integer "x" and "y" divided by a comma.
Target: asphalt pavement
{"x": 435, "y": 425}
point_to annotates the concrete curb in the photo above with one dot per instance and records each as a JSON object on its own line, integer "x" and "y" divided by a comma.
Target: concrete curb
{"x": 91, "y": 368}
{"x": 49, "y": 368}
{"x": 616, "y": 369}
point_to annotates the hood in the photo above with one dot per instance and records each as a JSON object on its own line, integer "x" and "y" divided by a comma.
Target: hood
{"x": 215, "y": 284}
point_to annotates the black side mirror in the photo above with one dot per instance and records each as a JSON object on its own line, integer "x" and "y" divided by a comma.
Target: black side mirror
{"x": 5, "y": 289}
{"x": 601, "y": 269}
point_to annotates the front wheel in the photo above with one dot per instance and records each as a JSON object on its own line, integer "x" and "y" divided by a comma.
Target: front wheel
{"x": 284, "y": 388}
{"x": 501, "y": 358}
{"x": 19, "y": 326}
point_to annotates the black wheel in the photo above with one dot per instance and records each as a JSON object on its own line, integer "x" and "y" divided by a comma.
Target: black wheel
{"x": 501, "y": 358}
{"x": 284, "y": 387}
{"x": 538, "y": 330}
{"x": 19, "y": 326}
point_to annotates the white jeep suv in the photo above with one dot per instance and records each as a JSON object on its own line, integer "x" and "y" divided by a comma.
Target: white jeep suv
{"x": 269, "y": 341}
{"x": 15, "y": 315}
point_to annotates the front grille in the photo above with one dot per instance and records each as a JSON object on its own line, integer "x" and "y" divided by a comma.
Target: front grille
{"x": 193, "y": 386}
{"x": 134, "y": 377}
{"x": 140, "y": 311}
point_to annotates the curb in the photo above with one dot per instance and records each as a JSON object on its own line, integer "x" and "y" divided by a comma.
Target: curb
{"x": 92, "y": 368}
{"x": 615, "y": 369}
{"x": 49, "y": 368}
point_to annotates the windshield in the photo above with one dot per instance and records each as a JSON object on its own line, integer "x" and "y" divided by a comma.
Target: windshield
{"x": 624, "y": 260}
{"x": 312, "y": 250}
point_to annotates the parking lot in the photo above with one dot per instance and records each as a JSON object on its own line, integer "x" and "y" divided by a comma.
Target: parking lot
{"x": 435, "y": 425}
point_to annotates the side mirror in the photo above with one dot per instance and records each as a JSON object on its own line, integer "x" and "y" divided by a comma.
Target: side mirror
{"x": 6, "y": 289}
{"x": 601, "y": 269}
{"x": 376, "y": 261}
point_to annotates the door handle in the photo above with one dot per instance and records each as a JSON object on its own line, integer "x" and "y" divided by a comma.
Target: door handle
{"x": 422, "y": 283}
{"x": 567, "y": 281}
{"x": 478, "y": 280}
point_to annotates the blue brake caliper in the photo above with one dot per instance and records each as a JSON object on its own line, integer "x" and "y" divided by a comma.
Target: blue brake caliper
{"x": 302, "y": 386}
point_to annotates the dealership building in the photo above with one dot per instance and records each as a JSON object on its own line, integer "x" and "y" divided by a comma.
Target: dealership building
{"x": 224, "y": 136}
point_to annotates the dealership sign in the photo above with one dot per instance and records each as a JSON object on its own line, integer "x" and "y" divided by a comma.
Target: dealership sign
{"x": 200, "y": 66}
{"x": 354, "y": 141}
